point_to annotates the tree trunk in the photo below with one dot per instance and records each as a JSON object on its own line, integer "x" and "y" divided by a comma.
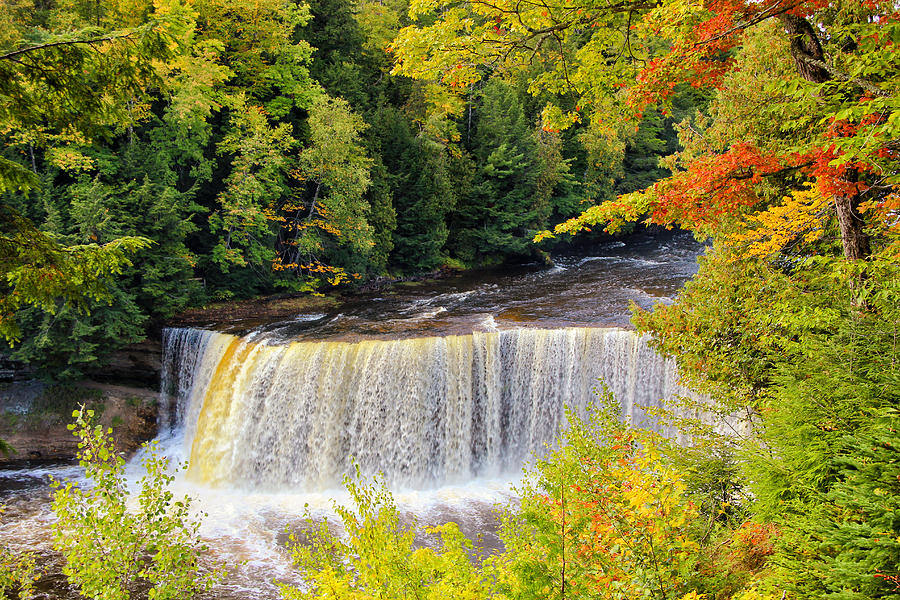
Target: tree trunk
{"x": 805, "y": 45}
{"x": 806, "y": 49}
{"x": 851, "y": 224}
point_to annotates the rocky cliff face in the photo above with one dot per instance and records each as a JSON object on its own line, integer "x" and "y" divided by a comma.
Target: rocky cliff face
{"x": 34, "y": 415}
{"x": 11, "y": 370}
{"x": 34, "y": 418}
{"x": 138, "y": 364}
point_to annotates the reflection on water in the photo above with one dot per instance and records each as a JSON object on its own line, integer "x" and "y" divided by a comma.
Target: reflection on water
{"x": 248, "y": 528}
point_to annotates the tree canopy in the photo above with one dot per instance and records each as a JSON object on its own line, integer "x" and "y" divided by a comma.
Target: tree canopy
{"x": 824, "y": 124}
{"x": 60, "y": 88}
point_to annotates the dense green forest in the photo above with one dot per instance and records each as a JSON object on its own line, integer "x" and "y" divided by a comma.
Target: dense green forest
{"x": 265, "y": 148}
{"x": 238, "y": 148}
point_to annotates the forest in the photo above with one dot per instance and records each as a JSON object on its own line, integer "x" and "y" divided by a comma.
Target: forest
{"x": 259, "y": 149}
{"x": 166, "y": 154}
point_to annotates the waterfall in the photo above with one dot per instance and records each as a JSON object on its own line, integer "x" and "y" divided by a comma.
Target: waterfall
{"x": 424, "y": 411}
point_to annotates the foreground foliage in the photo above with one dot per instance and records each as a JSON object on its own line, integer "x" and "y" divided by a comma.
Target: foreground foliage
{"x": 607, "y": 514}
{"x": 377, "y": 555}
{"x": 620, "y": 513}
{"x": 117, "y": 544}
{"x": 816, "y": 375}
{"x": 18, "y": 574}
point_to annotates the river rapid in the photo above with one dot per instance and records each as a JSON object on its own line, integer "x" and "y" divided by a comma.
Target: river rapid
{"x": 446, "y": 387}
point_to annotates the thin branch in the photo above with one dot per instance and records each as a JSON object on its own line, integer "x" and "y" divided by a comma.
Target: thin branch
{"x": 749, "y": 173}
{"x": 627, "y": 41}
{"x": 10, "y": 55}
{"x": 565, "y": 63}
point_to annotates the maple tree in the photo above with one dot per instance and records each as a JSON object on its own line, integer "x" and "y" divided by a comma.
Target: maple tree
{"x": 835, "y": 139}
{"x": 607, "y": 62}
{"x": 606, "y": 514}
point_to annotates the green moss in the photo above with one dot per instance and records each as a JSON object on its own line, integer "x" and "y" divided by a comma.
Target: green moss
{"x": 9, "y": 420}
{"x": 454, "y": 264}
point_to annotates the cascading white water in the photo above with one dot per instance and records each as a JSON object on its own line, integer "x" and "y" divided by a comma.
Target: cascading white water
{"x": 424, "y": 411}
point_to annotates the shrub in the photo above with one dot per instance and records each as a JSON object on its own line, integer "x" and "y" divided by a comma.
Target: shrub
{"x": 113, "y": 550}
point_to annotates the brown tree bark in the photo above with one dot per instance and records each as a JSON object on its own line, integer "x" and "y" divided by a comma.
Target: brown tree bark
{"x": 805, "y": 45}
{"x": 806, "y": 50}
{"x": 853, "y": 234}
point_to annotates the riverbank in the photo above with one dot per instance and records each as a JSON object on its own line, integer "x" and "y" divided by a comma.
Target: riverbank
{"x": 258, "y": 310}
{"x": 34, "y": 417}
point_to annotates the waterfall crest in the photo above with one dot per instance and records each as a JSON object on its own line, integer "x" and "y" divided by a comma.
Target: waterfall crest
{"x": 424, "y": 411}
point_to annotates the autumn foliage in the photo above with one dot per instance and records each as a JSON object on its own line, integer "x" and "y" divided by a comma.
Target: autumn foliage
{"x": 833, "y": 102}
{"x": 607, "y": 514}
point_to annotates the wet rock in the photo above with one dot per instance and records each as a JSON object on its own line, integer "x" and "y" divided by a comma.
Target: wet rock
{"x": 34, "y": 417}
{"x": 11, "y": 370}
{"x": 136, "y": 364}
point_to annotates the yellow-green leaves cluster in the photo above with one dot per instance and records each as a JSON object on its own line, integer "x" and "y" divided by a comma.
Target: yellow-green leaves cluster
{"x": 18, "y": 574}
{"x": 605, "y": 515}
{"x": 376, "y": 556}
{"x": 37, "y": 271}
{"x": 576, "y": 49}
{"x": 800, "y": 218}
{"x": 115, "y": 542}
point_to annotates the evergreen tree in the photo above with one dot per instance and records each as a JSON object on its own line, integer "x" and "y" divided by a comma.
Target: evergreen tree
{"x": 416, "y": 175}
{"x": 422, "y": 209}
{"x": 515, "y": 180}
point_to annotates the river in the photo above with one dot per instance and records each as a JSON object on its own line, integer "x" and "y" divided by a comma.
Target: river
{"x": 446, "y": 387}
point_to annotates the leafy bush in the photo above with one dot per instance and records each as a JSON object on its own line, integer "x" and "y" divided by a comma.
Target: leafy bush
{"x": 17, "y": 574}
{"x": 113, "y": 550}
{"x": 377, "y": 556}
{"x": 605, "y": 514}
